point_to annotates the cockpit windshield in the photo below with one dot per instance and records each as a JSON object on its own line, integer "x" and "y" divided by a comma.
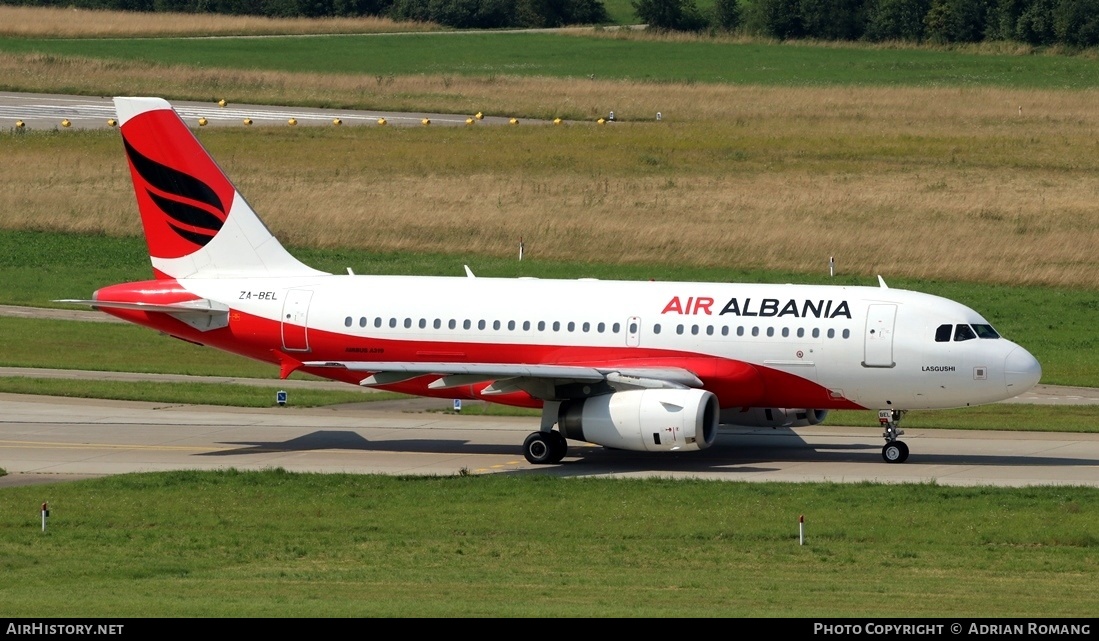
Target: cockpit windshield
{"x": 962, "y": 332}
{"x": 985, "y": 331}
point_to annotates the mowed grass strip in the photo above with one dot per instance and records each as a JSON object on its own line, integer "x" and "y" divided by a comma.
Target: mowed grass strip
{"x": 303, "y": 545}
{"x": 189, "y": 393}
{"x": 622, "y": 57}
{"x": 118, "y": 348}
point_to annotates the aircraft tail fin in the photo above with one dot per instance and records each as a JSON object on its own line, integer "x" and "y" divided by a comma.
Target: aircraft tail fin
{"x": 197, "y": 225}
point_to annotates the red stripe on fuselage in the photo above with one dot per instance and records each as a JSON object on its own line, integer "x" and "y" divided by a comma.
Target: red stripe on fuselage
{"x": 735, "y": 383}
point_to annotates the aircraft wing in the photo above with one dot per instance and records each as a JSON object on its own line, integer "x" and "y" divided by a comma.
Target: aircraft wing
{"x": 540, "y": 381}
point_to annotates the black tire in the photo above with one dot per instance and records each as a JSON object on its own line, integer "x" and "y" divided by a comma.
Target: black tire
{"x": 560, "y": 446}
{"x": 895, "y": 452}
{"x": 539, "y": 448}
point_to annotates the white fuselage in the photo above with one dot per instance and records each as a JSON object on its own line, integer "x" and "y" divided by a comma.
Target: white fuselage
{"x": 874, "y": 347}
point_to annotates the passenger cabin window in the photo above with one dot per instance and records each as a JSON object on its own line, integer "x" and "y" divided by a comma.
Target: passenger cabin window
{"x": 942, "y": 335}
{"x": 964, "y": 333}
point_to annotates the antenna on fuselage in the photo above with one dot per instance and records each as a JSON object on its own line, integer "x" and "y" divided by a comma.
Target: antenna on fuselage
{"x": 881, "y": 282}
{"x": 469, "y": 272}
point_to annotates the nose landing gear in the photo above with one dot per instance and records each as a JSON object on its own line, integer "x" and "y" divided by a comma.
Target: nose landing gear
{"x": 894, "y": 451}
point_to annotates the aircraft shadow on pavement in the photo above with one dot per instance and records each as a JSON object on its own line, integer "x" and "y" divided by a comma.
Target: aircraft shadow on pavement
{"x": 350, "y": 440}
{"x": 749, "y": 453}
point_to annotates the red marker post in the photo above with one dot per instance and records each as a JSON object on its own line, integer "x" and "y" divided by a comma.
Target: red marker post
{"x": 45, "y": 513}
{"x": 801, "y": 530}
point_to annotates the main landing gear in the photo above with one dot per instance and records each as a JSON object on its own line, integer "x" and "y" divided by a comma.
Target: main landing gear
{"x": 894, "y": 451}
{"x": 545, "y": 447}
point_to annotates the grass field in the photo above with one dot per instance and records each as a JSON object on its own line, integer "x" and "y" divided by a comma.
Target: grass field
{"x": 621, "y": 56}
{"x": 189, "y": 544}
{"x": 189, "y": 393}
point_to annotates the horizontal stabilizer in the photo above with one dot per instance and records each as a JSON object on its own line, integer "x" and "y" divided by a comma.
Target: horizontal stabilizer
{"x": 202, "y": 314}
{"x": 201, "y": 305}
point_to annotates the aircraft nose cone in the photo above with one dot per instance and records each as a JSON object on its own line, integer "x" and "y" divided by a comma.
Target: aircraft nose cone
{"x": 1021, "y": 370}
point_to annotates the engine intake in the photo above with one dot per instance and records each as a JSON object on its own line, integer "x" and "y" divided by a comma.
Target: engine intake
{"x": 652, "y": 420}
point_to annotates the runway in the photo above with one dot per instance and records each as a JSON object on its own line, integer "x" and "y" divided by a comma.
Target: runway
{"x": 47, "y": 111}
{"x": 44, "y": 439}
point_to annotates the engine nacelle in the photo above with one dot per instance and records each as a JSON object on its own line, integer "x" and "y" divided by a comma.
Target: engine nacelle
{"x": 651, "y": 420}
{"x": 773, "y": 417}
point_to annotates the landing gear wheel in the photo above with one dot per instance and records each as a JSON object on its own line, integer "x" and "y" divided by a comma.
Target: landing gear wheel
{"x": 560, "y": 446}
{"x": 539, "y": 448}
{"x": 895, "y": 452}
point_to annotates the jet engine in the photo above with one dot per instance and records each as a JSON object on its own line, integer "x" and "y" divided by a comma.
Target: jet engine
{"x": 773, "y": 417}
{"x": 651, "y": 420}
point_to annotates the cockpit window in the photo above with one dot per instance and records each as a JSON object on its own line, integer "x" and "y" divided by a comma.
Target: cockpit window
{"x": 964, "y": 333}
{"x": 942, "y": 335}
{"x": 985, "y": 331}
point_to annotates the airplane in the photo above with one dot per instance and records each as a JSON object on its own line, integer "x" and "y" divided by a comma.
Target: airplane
{"x": 642, "y": 366}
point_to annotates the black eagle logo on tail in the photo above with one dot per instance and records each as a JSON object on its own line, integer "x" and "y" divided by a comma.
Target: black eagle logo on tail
{"x": 177, "y": 188}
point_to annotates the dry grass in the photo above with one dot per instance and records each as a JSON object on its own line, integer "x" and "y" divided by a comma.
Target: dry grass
{"x": 970, "y": 197}
{"x": 911, "y": 108}
{"x": 55, "y": 22}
